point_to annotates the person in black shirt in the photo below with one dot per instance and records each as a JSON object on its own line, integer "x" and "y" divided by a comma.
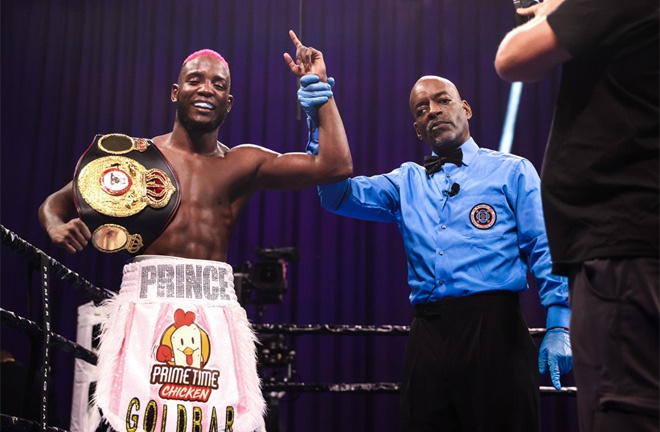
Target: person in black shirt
{"x": 600, "y": 190}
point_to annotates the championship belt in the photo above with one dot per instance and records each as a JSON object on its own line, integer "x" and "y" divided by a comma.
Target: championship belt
{"x": 125, "y": 191}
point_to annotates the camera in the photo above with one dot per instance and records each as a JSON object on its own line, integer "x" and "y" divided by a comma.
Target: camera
{"x": 274, "y": 352}
{"x": 517, "y": 4}
{"x": 264, "y": 282}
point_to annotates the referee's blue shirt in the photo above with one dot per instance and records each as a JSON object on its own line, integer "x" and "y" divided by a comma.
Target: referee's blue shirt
{"x": 483, "y": 238}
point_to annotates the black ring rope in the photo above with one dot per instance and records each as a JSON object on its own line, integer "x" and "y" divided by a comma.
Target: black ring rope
{"x": 295, "y": 387}
{"x": 383, "y": 387}
{"x": 11, "y": 423}
{"x": 33, "y": 255}
{"x": 38, "y": 258}
{"x": 33, "y": 330}
{"x": 343, "y": 330}
{"x": 327, "y": 329}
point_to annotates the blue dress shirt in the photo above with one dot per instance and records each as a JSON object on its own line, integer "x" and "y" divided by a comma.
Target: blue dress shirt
{"x": 482, "y": 235}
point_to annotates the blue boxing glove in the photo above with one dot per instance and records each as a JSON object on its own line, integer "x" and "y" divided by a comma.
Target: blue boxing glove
{"x": 556, "y": 355}
{"x": 311, "y": 94}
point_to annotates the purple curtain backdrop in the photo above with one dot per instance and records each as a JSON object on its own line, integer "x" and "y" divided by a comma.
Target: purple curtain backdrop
{"x": 72, "y": 69}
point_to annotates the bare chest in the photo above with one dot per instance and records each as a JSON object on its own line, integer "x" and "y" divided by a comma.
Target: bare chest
{"x": 207, "y": 182}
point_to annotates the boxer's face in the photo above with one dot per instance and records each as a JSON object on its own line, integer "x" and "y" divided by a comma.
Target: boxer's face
{"x": 441, "y": 117}
{"x": 202, "y": 94}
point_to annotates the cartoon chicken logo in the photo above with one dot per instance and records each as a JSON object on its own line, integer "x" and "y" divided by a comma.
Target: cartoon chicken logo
{"x": 184, "y": 343}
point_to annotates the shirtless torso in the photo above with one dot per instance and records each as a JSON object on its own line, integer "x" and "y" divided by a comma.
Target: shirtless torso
{"x": 215, "y": 181}
{"x": 210, "y": 202}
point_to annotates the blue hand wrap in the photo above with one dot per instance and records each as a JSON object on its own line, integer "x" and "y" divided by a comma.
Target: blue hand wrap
{"x": 311, "y": 94}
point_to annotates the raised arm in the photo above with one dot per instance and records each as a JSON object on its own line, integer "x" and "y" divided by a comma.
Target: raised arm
{"x": 55, "y": 217}
{"x": 333, "y": 161}
{"x": 531, "y": 51}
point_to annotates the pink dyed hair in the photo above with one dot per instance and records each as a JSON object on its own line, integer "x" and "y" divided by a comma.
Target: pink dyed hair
{"x": 207, "y": 53}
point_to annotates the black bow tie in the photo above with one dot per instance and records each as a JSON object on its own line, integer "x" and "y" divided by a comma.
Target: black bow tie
{"x": 433, "y": 163}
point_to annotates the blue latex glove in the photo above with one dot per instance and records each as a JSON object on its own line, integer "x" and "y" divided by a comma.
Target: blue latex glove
{"x": 311, "y": 94}
{"x": 556, "y": 355}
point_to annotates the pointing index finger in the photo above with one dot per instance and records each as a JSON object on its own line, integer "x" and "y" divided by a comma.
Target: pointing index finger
{"x": 294, "y": 39}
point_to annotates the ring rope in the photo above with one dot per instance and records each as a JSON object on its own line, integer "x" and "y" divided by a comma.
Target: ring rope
{"x": 327, "y": 329}
{"x": 382, "y": 387}
{"x": 33, "y": 330}
{"x": 11, "y": 423}
{"x": 341, "y": 329}
{"x": 32, "y": 254}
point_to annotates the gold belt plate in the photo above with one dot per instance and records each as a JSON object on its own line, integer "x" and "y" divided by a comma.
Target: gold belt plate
{"x": 119, "y": 186}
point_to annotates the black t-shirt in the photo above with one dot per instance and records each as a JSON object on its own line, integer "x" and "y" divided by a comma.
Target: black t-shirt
{"x": 600, "y": 181}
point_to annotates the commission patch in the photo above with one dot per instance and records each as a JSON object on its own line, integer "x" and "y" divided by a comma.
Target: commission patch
{"x": 483, "y": 216}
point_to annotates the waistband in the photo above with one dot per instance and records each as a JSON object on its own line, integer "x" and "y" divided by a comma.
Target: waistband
{"x": 168, "y": 278}
{"x": 474, "y": 302}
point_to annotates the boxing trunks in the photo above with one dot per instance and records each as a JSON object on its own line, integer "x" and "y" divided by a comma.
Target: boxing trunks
{"x": 177, "y": 352}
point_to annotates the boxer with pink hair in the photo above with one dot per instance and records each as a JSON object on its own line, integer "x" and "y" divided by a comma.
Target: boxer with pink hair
{"x": 206, "y": 52}
{"x": 184, "y": 268}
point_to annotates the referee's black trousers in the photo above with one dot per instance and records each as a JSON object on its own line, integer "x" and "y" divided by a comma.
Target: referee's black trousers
{"x": 470, "y": 366}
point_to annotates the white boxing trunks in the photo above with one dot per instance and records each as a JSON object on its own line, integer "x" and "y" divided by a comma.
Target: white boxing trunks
{"x": 177, "y": 352}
